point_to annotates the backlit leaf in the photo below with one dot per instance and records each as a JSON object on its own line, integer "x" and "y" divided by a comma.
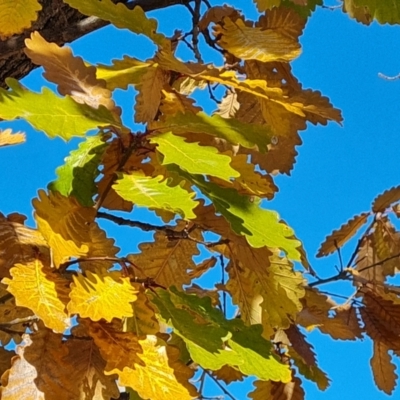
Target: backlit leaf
{"x": 76, "y": 177}
{"x": 70, "y": 73}
{"x": 339, "y": 237}
{"x": 34, "y": 286}
{"x": 52, "y": 114}
{"x": 386, "y": 199}
{"x": 155, "y": 193}
{"x": 383, "y": 368}
{"x": 162, "y": 376}
{"x": 222, "y": 342}
{"x": 17, "y": 15}
{"x": 8, "y": 138}
{"x": 194, "y": 158}
{"x": 118, "y": 14}
{"x": 278, "y": 390}
{"x": 365, "y": 11}
{"x": 101, "y": 295}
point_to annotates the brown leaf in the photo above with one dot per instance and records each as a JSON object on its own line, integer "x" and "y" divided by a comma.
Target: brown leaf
{"x": 278, "y": 391}
{"x": 386, "y": 199}
{"x": 383, "y": 369}
{"x": 339, "y": 237}
{"x": 9, "y": 312}
{"x": 299, "y": 343}
{"x": 5, "y": 359}
{"x": 70, "y": 73}
{"x": 228, "y": 374}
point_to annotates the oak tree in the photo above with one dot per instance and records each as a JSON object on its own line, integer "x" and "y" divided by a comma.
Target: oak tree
{"x": 90, "y": 322}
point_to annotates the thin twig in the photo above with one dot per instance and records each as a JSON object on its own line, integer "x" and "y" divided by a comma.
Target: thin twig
{"x": 378, "y": 263}
{"x": 354, "y": 254}
{"x": 342, "y": 275}
{"x": 212, "y": 97}
{"x": 221, "y": 259}
{"x": 135, "y": 224}
{"x": 196, "y": 31}
{"x": 17, "y": 321}
{"x": 219, "y": 385}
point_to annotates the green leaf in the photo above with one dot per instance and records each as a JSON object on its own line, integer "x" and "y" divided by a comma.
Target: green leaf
{"x": 260, "y": 226}
{"x": 54, "y": 115}
{"x": 194, "y": 158}
{"x": 154, "y": 193}
{"x": 76, "y": 177}
{"x": 365, "y": 11}
{"x": 234, "y": 131}
{"x": 119, "y": 15}
{"x": 221, "y": 342}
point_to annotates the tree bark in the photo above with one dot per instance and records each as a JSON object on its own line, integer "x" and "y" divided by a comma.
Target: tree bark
{"x": 58, "y": 22}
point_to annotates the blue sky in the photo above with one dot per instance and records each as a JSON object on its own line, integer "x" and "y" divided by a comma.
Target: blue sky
{"x": 338, "y": 172}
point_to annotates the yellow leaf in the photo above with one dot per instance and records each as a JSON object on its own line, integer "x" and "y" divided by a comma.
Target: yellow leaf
{"x": 16, "y": 16}
{"x": 8, "y": 138}
{"x": 383, "y": 368}
{"x": 70, "y": 229}
{"x": 161, "y": 376}
{"x": 19, "y": 244}
{"x": 258, "y": 43}
{"x": 149, "y": 97}
{"x": 34, "y": 286}
{"x": 339, "y": 237}
{"x": 101, "y": 294}
{"x": 70, "y": 73}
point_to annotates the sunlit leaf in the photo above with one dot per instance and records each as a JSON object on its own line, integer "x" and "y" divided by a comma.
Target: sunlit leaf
{"x": 8, "y": 138}
{"x": 278, "y": 390}
{"x": 386, "y": 199}
{"x": 365, "y": 11}
{"x": 383, "y": 368}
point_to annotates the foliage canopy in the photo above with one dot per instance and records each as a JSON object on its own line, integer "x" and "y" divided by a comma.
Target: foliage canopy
{"x": 86, "y": 317}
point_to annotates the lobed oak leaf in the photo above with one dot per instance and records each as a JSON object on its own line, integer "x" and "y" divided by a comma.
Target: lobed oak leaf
{"x": 144, "y": 321}
{"x": 192, "y": 157}
{"x": 365, "y": 11}
{"x": 386, "y": 199}
{"x": 122, "y": 73}
{"x": 203, "y": 267}
{"x": 383, "y": 368}
{"x": 149, "y": 96}
{"x": 19, "y": 244}
{"x": 216, "y": 14}
{"x": 16, "y": 16}
{"x": 339, "y": 237}
{"x": 155, "y": 193}
{"x": 168, "y": 262}
{"x": 229, "y": 105}
{"x": 35, "y": 286}
{"x": 88, "y": 377}
{"x": 52, "y": 114}
{"x": 69, "y": 73}
{"x": 69, "y": 228}
{"x": 119, "y": 349}
{"x": 228, "y": 374}
{"x": 200, "y": 292}
{"x": 76, "y": 177}
{"x": 256, "y": 43}
{"x": 8, "y": 138}
{"x": 173, "y": 102}
{"x": 10, "y": 314}
{"x": 278, "y": 390}
{"x": 119, "y": 15}
{"x": 101, "y": 295}
{"x": 161, "y": 375}
{"x": 298, "y": 342}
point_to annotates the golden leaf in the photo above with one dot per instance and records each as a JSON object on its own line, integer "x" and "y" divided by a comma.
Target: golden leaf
{"x": 89, "y": 380}
{"x": 101, "y": 294}
{"x": 339, "y": 237}
{"x": 167, "y": 261}
{"x": 259, "y": 43}
{"x": 149, "y": 96}
{"x": 161, "y": 375}
{"x": 36, "y": 287}
{"x": 8, "y": 138}
{"x": 216, "y": 14}
{"x": 19, "y": 244}
{"x": 69, "y": 228}
{"x": 70, "y": 73}
{"x": 17, "y": 15}
{"x": 383, "y": 369}
{"x": 144, "y": 321}
{"x": 278, "y": 390}
{"x": 119, "y": 349}
{"x": 174, "y": 102}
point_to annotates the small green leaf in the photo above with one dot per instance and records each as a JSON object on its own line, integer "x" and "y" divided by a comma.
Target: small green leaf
{"x": 56, "y": 116}
{"x": 76, "y": 177}
{"x": 119, "y": 15}
{"x": 232, "y": 130}
{"x": 194, "y": 158}
{"x": 221, "y": 341}
{"x": 154, "y": 193}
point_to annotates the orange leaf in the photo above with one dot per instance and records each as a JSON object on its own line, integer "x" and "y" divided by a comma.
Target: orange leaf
{"x": 339, "y": 237}
{"x": 385, "y": 199}
{"x": 7, "y": 138}
{"x": 383, "y": 369}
